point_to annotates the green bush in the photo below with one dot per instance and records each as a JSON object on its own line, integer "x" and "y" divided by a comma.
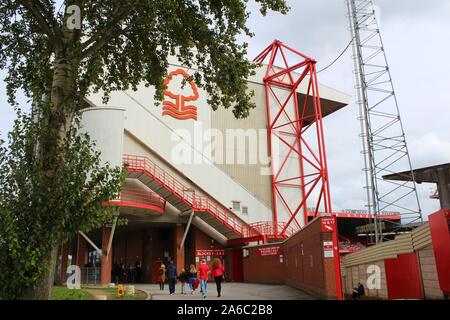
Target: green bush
{"x": 60, "y": 293}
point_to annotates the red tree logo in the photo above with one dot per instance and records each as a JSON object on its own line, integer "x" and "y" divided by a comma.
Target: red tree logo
{"x": 180, "y": 109}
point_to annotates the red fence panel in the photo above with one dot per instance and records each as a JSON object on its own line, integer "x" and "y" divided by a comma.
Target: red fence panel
{"x": 440, "y": 233}
{"x": 403, "y": 277}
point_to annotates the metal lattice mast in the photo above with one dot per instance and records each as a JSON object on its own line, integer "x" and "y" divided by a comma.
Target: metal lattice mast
{"x": 384, "y": 145}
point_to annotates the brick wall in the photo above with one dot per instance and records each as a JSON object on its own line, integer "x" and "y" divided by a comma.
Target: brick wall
{"x": 306, "y": 267}
{"x": 263, "y": 269}
{"x": 351, "y": 276}
{"x": 302, "y": 263}
{"x": 430, "y": 279}
{"x": 204, "y": 242}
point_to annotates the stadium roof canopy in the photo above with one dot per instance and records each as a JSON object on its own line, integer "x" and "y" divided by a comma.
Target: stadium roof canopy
{"x": 422, "y": 175}
{"x": 331, "y": 99}
{"x": 439, "y": 174}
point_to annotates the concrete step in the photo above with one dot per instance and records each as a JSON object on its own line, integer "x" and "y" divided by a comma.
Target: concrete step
{"x": 218, "y": 225}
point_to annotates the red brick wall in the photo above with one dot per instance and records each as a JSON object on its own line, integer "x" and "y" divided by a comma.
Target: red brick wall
{"x": 263, "y": 269}
{"x": 308, "y": 270}
{"x": 204, "y": 242}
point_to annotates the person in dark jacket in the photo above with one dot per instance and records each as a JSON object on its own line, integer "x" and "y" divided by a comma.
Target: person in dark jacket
{"x": 358, "y": 292}
{"x": 184, "y": 279}
{"x": 172, "y": 276}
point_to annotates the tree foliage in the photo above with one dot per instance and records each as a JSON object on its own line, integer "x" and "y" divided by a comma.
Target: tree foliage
{"x": 37, "y": 213}
{"x": 123, "y": 43}
{"x": 117, "y": 46}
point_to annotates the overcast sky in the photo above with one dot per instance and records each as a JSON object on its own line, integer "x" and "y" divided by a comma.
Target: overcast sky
{"x": 416, "y": 37}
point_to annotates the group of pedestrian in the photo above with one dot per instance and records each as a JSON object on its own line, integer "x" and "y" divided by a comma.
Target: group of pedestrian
{"x": 192, "y": 277}
{"x": 121, "y": 273}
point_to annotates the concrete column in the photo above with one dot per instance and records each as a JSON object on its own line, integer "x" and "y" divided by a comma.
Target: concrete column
{"x": 106, "y": 256}
{"x": 64, "y": 256}
{"x": 81, "y": 251}
{"x": 443, "y": 185}
{"x": 179, "y": 252}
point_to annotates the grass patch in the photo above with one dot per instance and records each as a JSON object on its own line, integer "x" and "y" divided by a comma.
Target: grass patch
{"x": 61, "y": 293}
{"x": 127, "y": 296}
{"x": 111, "y": 293}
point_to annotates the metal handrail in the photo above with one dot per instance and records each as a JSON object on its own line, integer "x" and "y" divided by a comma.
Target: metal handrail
{"x": 141, "y": 197}
{"x": 198, "y": 203}
{"x": 202, "y": 203}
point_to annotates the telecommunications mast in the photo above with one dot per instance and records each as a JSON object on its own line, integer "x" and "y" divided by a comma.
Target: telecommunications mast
{"x": 384, "y": 145}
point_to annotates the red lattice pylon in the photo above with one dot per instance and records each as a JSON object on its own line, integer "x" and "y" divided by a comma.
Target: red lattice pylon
{"x": 297, "y": 150}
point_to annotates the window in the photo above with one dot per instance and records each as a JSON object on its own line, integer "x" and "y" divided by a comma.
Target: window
{"x": 236, "y": 205}
{"x": 244, "y": 210}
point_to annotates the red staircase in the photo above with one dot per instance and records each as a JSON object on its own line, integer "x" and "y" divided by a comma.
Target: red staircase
{"x": 139, "y": 199}
{"x": 185, "y": 199}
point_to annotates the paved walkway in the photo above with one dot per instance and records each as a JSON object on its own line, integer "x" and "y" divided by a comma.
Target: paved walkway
{"x": 230, "y": 291}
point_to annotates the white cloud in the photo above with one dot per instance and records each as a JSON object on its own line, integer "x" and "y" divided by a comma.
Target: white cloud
{"x": 415, "y": 34}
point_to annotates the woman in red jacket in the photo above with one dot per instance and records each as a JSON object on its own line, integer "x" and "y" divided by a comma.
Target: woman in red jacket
{"x": 218, "y": 271}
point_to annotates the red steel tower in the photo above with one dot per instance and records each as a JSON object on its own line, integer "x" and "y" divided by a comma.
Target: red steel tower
{"x": 296, "y": 139}
{"x": 297, "y": 149}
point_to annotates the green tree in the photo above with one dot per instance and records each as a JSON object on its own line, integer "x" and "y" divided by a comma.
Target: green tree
{"x": 40, "y": 211}
{"x": 57, "y": 57}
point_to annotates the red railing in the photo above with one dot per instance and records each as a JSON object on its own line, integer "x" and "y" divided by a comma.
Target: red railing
{"x": 186, "y": 194}
{"x": 267, "y": 228}
{"x": 204, "y": 203}
{"x": 144, "y": 164}
{"x": 139, "y": 199}
{"x": 357, "y": 214}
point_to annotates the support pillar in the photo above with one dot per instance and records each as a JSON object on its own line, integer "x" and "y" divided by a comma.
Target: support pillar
{"x": 64, "y": 256}
{"x": 106, "y": 256}
{"x": 81, "y": 251}
{"x": 179, "y": 251}
{"x": 443, "y": 185}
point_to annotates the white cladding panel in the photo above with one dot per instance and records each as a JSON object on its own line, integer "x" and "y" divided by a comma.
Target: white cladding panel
{"x": 105, "y": 127}
{"x": 173, "y": 139}
{"x": 169, "y": 137}
{"x": 283, "y": 142}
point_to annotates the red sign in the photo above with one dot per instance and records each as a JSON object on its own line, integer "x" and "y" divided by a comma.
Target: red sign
{"x": 328, "y": 245}
{"x": 180, "y": 109}
{"x": 269, "y": 251}
{"x": 328, "y": 224}
{"x": 328, "y": 249}
{"x": 210, "y": 253}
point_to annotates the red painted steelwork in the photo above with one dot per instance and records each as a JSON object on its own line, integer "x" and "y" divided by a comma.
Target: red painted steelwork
{"x": 267, "y": 228}
{"x": 310, "y": 179}
{"x": 343, "y": 214}
{"x": 301, "y": 131}
{"x": 185, "y": 194}
{"x": 139, "y": 199}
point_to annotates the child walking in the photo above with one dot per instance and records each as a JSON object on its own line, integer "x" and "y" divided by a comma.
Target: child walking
{"x": 183, "y": 278}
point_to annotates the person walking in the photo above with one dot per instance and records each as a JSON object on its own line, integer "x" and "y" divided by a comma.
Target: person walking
{"x": 162, "y": 276}
{"x": 172, "y": 276}
{"x": 218, "y": 272}
{"x": 183, "y": 278}
{"x": 203, "y": 272}
{"x": 192, "y": 277}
